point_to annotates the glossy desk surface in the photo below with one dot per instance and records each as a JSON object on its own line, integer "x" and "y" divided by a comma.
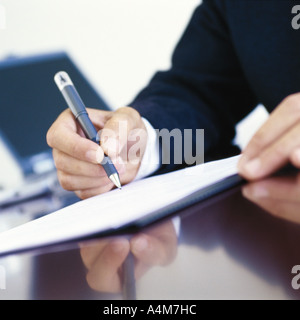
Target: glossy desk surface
{"x": 227, "y": 247}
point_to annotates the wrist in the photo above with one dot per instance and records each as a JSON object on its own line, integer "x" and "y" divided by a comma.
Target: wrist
{"x": 150, "y": 162}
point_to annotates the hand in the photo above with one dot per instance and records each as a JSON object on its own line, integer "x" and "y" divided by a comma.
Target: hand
{"x": 275, "y": 144}
{"x": 279, "y": 196}
{"x": 104, "y": 258}
{"x": 123, "y": 139}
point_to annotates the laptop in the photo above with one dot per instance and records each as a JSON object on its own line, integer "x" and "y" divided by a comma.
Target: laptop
{"x": 30, "y": 102}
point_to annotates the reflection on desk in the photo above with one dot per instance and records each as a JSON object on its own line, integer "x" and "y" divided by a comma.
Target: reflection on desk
{"x": 227, "y": 248}
{"x": 104, "y": 258}
{"x": 278, "y": 195}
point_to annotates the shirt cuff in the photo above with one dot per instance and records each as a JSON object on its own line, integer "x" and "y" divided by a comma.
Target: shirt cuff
{"x": 150, "y": 162}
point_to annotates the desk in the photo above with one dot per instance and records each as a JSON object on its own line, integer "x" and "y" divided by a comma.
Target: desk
{"x": 225, "y": 248}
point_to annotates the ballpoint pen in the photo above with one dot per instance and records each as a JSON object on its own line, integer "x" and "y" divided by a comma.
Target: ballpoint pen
{"x": 78, "y": 109}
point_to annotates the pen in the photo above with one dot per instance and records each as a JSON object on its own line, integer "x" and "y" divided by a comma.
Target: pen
{"x": 75, "y": 103}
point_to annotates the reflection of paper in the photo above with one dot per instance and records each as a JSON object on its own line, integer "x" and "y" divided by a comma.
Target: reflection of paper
{"x": 116, "y": 208}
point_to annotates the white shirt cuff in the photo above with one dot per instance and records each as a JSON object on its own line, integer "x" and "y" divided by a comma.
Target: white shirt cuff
{"x": 150, "y": 162}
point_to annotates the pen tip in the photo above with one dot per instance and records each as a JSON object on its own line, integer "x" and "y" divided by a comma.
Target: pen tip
{"x": 116, "y": 180}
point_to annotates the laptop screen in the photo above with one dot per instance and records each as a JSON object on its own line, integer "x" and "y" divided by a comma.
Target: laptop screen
{"x": 30, "y": 100}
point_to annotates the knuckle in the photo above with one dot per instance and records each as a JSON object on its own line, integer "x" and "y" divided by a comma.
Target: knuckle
{"x": 131, "y": 111}
{"x": 112, "y": 127}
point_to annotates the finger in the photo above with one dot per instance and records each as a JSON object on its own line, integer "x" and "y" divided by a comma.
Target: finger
{"x": 156, "y": 247}
{"x": 279, "y": 188}
{"x": 285, "y": 116}
{"x": 114, "y": 136}
{"x": 140, "y": 268}
{"x": 73, "y": 166}
{"x": 73, "y": 183}
{"x": 273, "y": 157}
{"x": 104, "y": 274}
{"x": 88, "y": 193}
{"x": 90, "y": 252}
{"x": 281, "y": 209}
{"x": 295, "y": 158}
{"x": 136, "y": 146}
{"x": 99, "y": 117}
{"x": 165, "y": 232}
{"x": 149, "y": 250}
{"x": 63, "y": 136}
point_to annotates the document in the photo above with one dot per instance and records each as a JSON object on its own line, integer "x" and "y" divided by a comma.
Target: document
{"x": 115, "y": 209}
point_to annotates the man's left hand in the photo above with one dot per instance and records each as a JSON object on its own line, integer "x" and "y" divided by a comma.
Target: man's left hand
{"x": 275, "y": 144}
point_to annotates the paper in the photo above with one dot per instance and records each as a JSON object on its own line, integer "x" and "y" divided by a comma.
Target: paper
{"x": 115, "y": 208}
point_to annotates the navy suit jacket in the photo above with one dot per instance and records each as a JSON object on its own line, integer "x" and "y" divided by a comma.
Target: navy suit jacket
{"x": 233, "y": 55}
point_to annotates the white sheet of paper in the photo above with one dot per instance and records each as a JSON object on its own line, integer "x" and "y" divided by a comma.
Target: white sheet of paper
{"x": 115, "y": 208}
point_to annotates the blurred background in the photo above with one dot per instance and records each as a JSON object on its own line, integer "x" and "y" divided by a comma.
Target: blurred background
{"x": 117, "y": 44}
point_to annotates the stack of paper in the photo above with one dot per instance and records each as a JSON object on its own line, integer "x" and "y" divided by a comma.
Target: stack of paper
{"x": 115, "y": 208}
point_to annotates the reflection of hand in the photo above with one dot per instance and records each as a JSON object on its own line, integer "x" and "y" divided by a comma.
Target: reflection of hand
{"x": 104, "y": 258}
{"x": 278, "y": 195}
{"x": 276, "y": 143}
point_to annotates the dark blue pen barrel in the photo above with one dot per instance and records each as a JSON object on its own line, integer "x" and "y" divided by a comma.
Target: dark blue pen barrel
{"x": 108, "y": 166}
{"x": 88, "y": 128}
{"x": 78, "y": 109}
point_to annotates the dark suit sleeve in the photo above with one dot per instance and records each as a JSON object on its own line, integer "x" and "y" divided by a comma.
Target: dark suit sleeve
{"x": 205, "y": 87}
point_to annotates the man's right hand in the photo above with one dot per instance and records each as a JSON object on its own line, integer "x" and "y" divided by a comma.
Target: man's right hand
{"x": 77, "y": 159}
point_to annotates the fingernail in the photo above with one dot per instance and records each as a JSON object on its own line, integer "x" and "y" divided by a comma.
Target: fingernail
{"x": 140, "y": 244}
{"x": 252, "y": 168}
{"x": 95, "y": 156}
